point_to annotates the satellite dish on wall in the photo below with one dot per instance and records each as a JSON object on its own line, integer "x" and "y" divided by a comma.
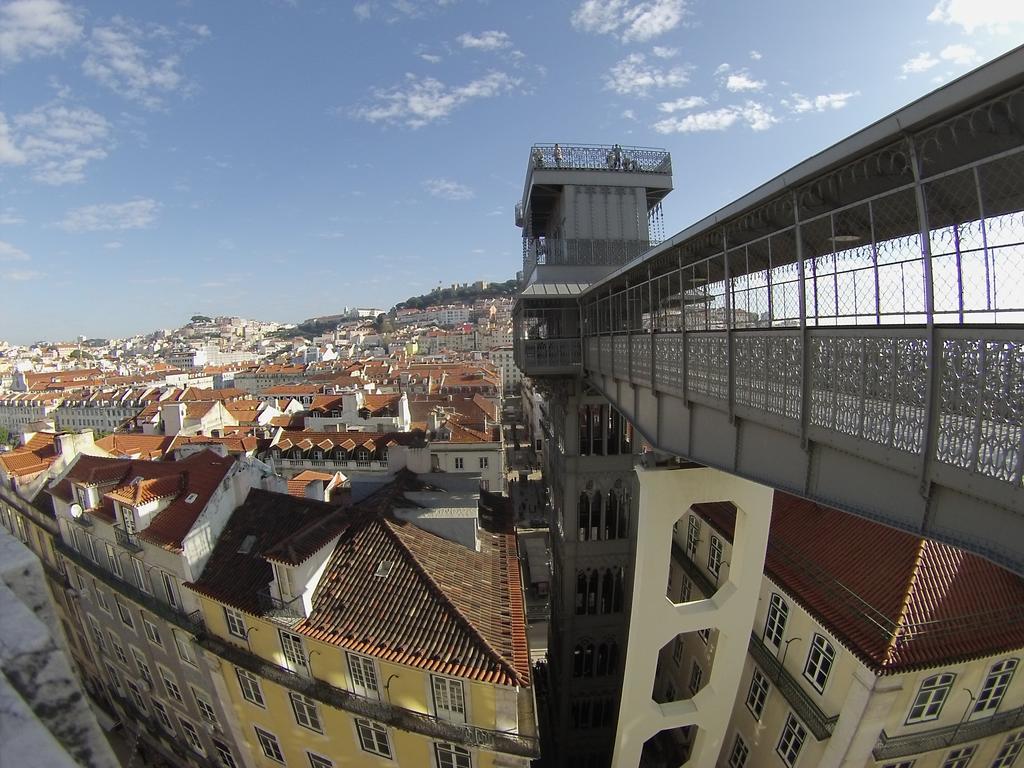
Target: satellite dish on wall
{"x": 76, "y": 510}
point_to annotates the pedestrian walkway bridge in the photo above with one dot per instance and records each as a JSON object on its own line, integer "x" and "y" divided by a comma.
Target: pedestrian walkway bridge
{"x": 852, "y": 331}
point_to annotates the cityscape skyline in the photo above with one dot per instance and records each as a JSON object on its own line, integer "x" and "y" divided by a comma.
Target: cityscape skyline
{"x": 199, "y": 160}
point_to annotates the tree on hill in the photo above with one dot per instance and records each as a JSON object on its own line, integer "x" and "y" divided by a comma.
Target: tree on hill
{"x": 200, "y": 319}
{"x": 465, "y": 294}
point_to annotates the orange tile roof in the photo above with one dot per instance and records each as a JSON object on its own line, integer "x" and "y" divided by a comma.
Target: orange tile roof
{"x": 441, "y": 607}
{"x": 133, "y": 445}
{"x": 33, "y": 457}
{"x": 897, "y": 601}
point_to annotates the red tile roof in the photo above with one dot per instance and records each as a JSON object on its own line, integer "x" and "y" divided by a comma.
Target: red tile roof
{"x": 898, "y": 601}
{"x": 33, "y": 457}
{"x": 133, "y": 445}
{"x": 441, "y": 606}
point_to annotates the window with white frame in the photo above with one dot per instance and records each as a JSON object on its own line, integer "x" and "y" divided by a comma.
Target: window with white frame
{"x": 902, "y": 764}
{"x": 161, "y": 715}
{"x": 959, "y": 758}
{"x": 739, "y": 753}
{"x": 373, "y": 737}
{"x": 184, "y": 646}
{"x": 90, "y": 548}
{"x": 1010, "y": 750}
{"x": 364, "y": 676}
{"x": 449, "y": 698}
{"x": 144, "y": 671}
{"x": 205, "y": 707}
{"x": 97, "y": 634}
{"x": 758, "y": 693}
{"x": 192, "y": 735}
{"x": 994, "y": 687}
{"x": 125, "y": 613}
{"x": 319, "y": 761}
{"x": 791, "y": 741}
{"x": 171, "y": 685}
{"x": 170, "y": 590}
{"x": 715, "y": 555}
{"x": 483, "y": 462}
{"x": 704, "y": 635}
{"x": 696, "y": 675}
{"x": 819, "y": 662}
{"x": 930, "y": 698}
{"x": 458, "y": 462}
{"x": 775, "y": 624}
{"x": 141, "y": 577}
{"x": 677, "y": 650}
{"x": 115, "y": 561}
{"x": 115, "y": 678}
{"x": 225, "y": 757}
{"x": 685, "y": 590}
{"x": 152, "y": 633}
{"x": 101, "y": 600}
{"x": 235, "y": 622}
{"x": 269, "y": 745}
{"x": 452, "y": 756}
{"x": 692, "y": 535}
{"x": 294, "y": 652}
{"x": 306, "y": 713}
{"x": 250, "y": 687}
{"x": 118, "y": 649}
{"x": 136, "y": 694}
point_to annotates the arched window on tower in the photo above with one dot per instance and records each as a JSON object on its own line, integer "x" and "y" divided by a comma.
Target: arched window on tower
{"x": 588, "y": 660}
{"x": 583, "y": 517}
{"x": 624, "y": 515}
{"x": 592, "y": 592}
{"x": 617, "y": 597}
{"x": 607, "y": 590}
{"x": 581, "y": 593}
{"x": 595, "y": 516}
{"x": 611, "y": 514}
{"x": 601, "y": 666}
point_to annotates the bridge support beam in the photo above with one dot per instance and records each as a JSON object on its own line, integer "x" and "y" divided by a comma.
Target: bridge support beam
{"x": 665, "y": 495}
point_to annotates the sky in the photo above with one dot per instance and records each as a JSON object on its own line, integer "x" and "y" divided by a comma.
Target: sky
{"x": 281, "y": 160}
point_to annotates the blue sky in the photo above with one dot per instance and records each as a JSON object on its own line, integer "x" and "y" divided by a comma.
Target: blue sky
{"x": 281, "y": 160}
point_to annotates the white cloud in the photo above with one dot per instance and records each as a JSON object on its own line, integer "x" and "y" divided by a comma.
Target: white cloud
{"x": 10, "y": 217}
{"x": 958, "y": 53}
{"x": 997, "y": 16}
{"x": 756, "y": 55}
{"x": 135, "y": 214}
{"x": 20, "y": 275}
{"x": 722, "y": 68}
{"x": 920, "y": 63}
{"x": 114, "y": 245}
{"x": 756, "y": 116}
{"x": 9, "y": 252}
{"x": 491, "y": 40}
{"x": 664, "y": 52}
{"x": 56, "y": 142}
{"x": 9, "y": 152}
{"x": 424, "y": 100}
{"x": 432, "y": 58}
{"x": 632, "y": 22}
{"x": 742, "y": 81}
{"x": 447, "y": 189}
{"x": 679, "y": 105}
{"x": 800, "y": 103}
{"x": 31, "y": 28}
{"x": 633, "y": 75}
{"x": 118, "y": 60}
{"x": 628, "y": 114}
{"x": 362, "y": 11}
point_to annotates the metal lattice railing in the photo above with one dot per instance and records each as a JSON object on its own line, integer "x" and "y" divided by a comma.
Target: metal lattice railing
{"x": 880, "y": 301}
{"x": 600, "y": 157}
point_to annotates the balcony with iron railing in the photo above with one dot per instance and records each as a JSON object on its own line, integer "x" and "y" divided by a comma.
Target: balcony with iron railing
{"x": 523, "y": 743}
{"x": 600, "y": 157}
{"x": 127, "y": 540}
{"x": 275, "y": 608}
{"x": 889, "y": 747}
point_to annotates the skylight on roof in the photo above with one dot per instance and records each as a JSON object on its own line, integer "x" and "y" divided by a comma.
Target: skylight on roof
{"x": 191, "y": 497}
{"x": 247, "y": 544}
{"x": 384, "y": 569}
